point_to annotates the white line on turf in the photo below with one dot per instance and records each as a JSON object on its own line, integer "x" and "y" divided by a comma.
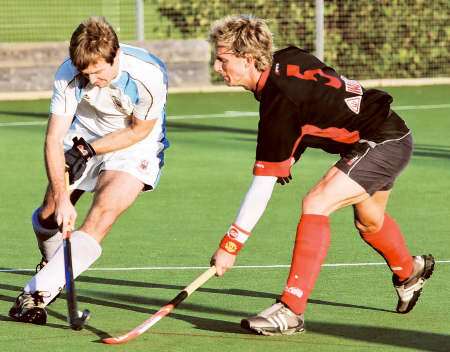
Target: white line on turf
{"x": 228, "y": 114}
{"x": 275, "y": 266}
{"x": 421, "y": 107}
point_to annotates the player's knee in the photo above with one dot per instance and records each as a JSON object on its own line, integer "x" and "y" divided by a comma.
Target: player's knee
{"x": 315, "y": 203}
{"x": 101, "y": 218}
{"x": 369, "y": 226}
{"x": 44, "y": 228}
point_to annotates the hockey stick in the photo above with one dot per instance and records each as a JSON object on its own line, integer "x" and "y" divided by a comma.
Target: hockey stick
{"x": 76, "y": 319}
{"x": 169, "y": 307}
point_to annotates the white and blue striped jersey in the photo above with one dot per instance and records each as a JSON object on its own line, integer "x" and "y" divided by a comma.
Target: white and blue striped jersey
{"x": 140, "y": 89}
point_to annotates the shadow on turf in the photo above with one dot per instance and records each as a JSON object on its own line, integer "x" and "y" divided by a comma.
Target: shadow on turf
{"x": 52, "y": 313}
{"x": 372, "y": 334}
{"x": 418, "y": 340}
{"x": 425, "y": 150}
{"x": 24, "y": 113}
{"x": 208, "y": 128}
{"x": 147, "y": 301}
{"x": 432, "y": 151}
{"x": 170, "y": 124}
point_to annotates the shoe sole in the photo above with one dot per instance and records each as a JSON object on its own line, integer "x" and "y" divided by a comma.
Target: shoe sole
{"x": 245, "y": 324}
{"x": 427, "y": 272}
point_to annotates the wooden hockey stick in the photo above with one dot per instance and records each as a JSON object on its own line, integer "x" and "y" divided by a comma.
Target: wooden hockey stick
{"x": 169, "y": 307}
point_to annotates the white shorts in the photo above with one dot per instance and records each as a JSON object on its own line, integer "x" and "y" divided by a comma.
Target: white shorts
{"x": 142, "y": 160}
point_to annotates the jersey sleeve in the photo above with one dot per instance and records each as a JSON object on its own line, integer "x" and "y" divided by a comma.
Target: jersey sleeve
{"x": 64, "y": 102}
{"x": 152, "y": 96}
{"x": 279, "y": 134}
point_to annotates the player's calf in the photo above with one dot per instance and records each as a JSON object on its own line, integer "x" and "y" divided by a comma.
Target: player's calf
{"x": 49, "y": 238}
{"x": 29, "y": 308}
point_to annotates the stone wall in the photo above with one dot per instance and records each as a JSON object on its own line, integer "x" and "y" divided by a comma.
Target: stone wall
{"x": 31, "y": 67}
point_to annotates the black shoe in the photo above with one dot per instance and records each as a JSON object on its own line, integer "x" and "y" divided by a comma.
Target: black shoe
{"x": 409, "y": 290}
{"x": 29, "y": 308}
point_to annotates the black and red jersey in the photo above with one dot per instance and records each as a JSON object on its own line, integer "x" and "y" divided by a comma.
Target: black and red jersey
{"x": 305, "y": 103}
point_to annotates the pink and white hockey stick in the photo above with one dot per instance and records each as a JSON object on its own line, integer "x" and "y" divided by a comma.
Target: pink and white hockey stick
{"x": 166, "y": 310}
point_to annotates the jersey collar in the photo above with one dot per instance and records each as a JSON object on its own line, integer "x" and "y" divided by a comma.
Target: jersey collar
{"x": 261, "y": 83}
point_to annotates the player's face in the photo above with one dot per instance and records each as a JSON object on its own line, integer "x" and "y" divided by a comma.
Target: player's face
{"x": 233, "y": 69}
{"x": 101, "y": 73}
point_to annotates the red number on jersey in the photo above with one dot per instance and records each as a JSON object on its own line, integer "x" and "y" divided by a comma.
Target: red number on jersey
{"x": 309, "y": 75}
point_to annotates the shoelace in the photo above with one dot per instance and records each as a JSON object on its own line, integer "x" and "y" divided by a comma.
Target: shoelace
{"x": 41, "y": 265}
{"x": 33, "y": 300}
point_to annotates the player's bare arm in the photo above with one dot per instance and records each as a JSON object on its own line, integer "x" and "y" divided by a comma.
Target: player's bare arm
{"x": 123, "y": 138}
{"x": 65, "y": 212}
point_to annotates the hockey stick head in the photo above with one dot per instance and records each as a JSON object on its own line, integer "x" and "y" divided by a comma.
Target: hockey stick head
{"x": 78, "y": 322}
{"x": 147, "y": 324}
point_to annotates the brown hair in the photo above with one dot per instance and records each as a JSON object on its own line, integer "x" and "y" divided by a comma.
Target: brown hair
{"x": 244, "y": 35}
{"x": 92, "y": 40}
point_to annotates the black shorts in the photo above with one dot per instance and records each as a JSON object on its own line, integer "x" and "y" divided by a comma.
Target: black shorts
{"x": 376, "y": 166}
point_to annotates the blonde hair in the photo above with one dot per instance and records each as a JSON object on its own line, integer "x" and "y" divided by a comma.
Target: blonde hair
{"x": 244, "y": 35}
{"x": 92, "y": 40}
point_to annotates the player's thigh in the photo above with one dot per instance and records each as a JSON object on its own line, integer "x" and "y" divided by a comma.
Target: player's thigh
{"x": 115, "y": 192}
{"x": 376, "y": 167}
{"x": 334, "y": 191}
{"x": 369, "y": 214}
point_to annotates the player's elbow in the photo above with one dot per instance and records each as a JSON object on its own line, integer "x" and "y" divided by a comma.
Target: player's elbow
{"x": 138, "y": 134}
{"x": 141, "y": 129}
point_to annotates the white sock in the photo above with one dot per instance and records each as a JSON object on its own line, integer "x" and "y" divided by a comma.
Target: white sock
{"x": 51, "y": 279}
{"x": 48, "y": 240}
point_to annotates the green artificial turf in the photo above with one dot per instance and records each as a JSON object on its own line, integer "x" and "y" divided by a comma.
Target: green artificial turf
{"x": 171, "y": 233}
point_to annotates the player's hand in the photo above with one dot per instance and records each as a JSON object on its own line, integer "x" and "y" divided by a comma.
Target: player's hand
{"x": 77, "y": 157}
{"x": 65, "y": 214}
{"x": 223, "y": 261}
{"x": 284, "y": 180}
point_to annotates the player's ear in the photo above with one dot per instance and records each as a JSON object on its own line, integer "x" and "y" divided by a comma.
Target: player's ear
{"x": 116, "y": 58}
{"x": 250, "y": 59}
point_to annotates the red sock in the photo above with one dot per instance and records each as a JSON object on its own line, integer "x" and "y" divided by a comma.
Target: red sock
{"x": 390, "y": 244}
{"x": 310, "y": 250}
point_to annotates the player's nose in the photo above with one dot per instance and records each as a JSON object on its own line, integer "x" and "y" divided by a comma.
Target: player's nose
{"x": 92, "y": 78}
{"x": 217, "y": 66}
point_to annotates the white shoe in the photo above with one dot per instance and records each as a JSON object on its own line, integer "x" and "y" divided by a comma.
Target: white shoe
{"x": 409, "y": 290}
{"x": 275, "y": 320}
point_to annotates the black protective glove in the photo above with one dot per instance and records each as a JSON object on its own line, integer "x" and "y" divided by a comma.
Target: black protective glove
{"x": 77, "y": 157}
{"x": 284, "y": 180}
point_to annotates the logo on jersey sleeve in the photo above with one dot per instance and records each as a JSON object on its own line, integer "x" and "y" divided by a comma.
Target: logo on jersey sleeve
{"x": 354, "y": 103}
{"x": 121, "y": 101}
{"x": 352, "y": 86}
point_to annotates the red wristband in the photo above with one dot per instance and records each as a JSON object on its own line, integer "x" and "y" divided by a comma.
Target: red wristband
{"x": 234, "y": 239}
